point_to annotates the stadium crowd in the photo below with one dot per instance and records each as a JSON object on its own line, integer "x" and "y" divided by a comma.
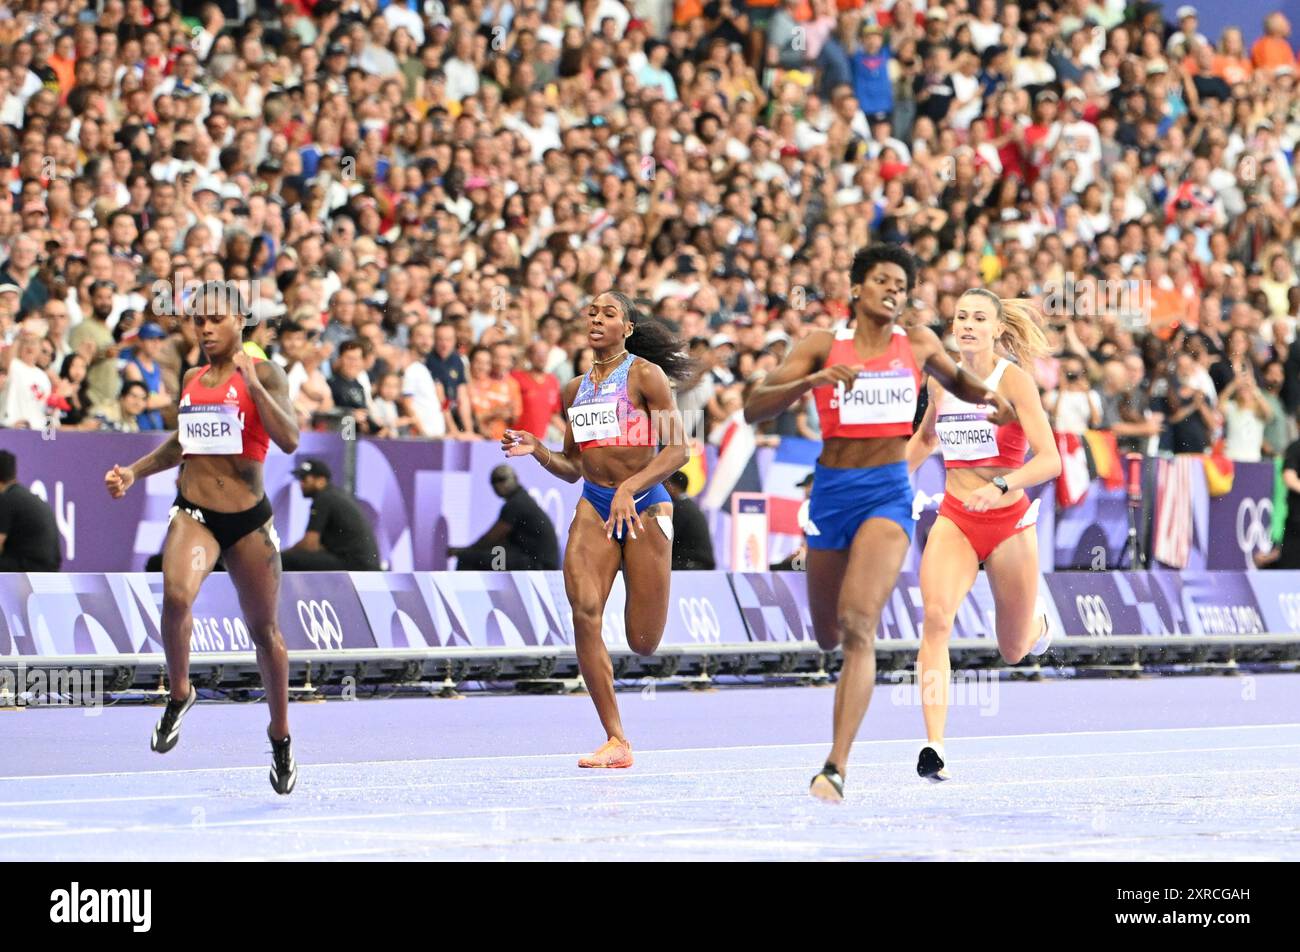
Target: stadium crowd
{"x": 417, "y": 199}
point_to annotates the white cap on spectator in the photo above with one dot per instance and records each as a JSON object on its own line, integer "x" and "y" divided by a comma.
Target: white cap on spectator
{"x": 938, "y": 13}
{"x": 1186, "y": 11}
{"x": 721, "y": 340}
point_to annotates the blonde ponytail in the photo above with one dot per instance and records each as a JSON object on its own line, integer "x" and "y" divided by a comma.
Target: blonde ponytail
{"x": 1023, "y": 338}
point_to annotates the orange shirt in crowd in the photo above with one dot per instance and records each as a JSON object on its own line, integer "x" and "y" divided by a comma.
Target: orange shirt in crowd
{"x": 489, "y": 395}
{"x": 1172, "y": 306}
{"x": 1233, "y": 70}
{"x": 66, "y": 71}
{"x": 1270, "y": 52}
{"x": 687, "y": 10}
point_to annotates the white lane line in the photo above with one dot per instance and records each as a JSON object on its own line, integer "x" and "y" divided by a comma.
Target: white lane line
{"x": 299, "y": 821}
{"x": 132, "y": 799}
{"x": 589, "y": 777}
{"x": 671, "y": 750}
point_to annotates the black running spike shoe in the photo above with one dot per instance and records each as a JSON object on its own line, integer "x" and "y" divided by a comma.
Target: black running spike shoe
{"x": 828, "y": 785}
{"x": 930, "y": 765}
{"x": 284, "y": 772}
{"x": 168, "y": 730}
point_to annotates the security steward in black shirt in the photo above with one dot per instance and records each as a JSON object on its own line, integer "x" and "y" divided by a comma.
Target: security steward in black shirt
{"x": 29, "y": 536}
{"x": 523, "y": 537}
{"x": 338, "y": 537}
{"x": 692, "y": 543}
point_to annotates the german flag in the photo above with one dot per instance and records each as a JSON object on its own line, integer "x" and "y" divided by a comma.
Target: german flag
{"x": 1105, "y": 457}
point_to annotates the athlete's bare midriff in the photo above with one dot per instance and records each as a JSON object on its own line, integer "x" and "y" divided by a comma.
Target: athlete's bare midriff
{"x": 610, "y": 466}
{"x": 222, "y": 483}
{"x": 962, "y": 482}
{"x": 840, "y": 452}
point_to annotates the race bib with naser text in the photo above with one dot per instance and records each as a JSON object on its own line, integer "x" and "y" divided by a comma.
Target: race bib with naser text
{"x": 210, "y": 429}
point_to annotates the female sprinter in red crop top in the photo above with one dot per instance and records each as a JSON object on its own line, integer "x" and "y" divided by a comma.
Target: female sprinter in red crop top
{"x": 985, "y": 515}
{"x": 866, "y": 382}
{"x": 229, "y": 411}
{"x": 623, "y": 439}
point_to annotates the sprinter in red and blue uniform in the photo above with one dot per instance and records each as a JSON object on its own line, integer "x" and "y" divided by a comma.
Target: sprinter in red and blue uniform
{"x": 866, "y": 380}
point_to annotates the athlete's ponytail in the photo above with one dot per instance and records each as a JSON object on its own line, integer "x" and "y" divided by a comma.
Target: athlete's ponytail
{"x": 1023, "y": 337}
{"x": 1022, "y": 334}
{"x": 652, "y": 340}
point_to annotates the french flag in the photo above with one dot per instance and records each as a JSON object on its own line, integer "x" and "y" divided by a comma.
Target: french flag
{"x": 737, "y": 468}
{"x": 795, "y": 458}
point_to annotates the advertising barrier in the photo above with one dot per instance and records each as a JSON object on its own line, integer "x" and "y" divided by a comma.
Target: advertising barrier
{"x": 102, "y": 615}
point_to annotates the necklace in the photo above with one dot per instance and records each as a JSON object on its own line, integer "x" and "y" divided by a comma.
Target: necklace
{"x": 609, "y": 359}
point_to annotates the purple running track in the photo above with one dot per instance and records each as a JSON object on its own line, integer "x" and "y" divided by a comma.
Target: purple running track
{"x": 1147, "y": 769}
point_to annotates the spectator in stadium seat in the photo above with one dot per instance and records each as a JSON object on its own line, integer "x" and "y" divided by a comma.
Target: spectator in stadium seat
{"x": 24, "y": 398}
{"x": 449, "y": 369}
{"x": 339, "y": 537}
{"x": 1075, "y": 407}
{"x": 522, "y": 539}
{"x": 1277, "y": 435}
{"x": 493, "y": 393}
{"x": 124, "y": 415}
{"x": 29, "y": 534}
{"x": 1273, "y": 49}
{"x": 1245, "y": 415}
{"x": 1189, "y": 414}
{"x": 349, "y": 393}
{"x": 539, "y": 394}
{"x": 93, "y": 338}
{"x": 422, "y": 395}
{"x": 145, "y": 368}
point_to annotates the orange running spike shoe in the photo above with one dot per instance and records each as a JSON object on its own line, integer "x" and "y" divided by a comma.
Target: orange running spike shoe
{"x": 612, "y": 754}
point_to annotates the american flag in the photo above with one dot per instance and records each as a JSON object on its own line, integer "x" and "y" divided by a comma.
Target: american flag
{"x": 1173, "y": 523}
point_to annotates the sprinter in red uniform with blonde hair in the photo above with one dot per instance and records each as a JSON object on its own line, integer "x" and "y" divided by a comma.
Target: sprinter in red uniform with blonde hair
{"x": 229, "y": 412}
{"x": 985, "y": 516}
{"x": 866, "y": 379}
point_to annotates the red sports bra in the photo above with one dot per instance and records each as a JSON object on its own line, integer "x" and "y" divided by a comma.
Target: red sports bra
{"x": 968, "y": 439}
{"x": 221, "y": 421}
{"x": 882, "y": 401}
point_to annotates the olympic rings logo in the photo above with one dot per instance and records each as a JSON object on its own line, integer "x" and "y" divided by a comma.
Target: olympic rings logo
{"x": 1254, "y": 522}
{"x": 700, "y": 619}
{"x": 1290, "y": 603}
{"x": 320, "y": 622}
{"x": 1094, "y": 614}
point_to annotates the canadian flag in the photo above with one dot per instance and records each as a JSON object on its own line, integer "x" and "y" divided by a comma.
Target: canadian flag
{"x": 1072, "y": 485}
